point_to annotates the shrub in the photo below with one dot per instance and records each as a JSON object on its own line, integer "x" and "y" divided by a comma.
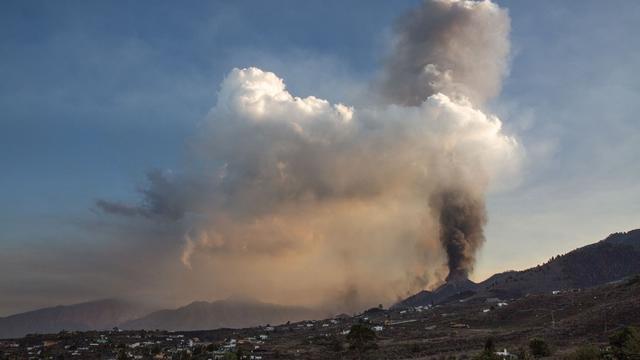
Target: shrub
{"x": 489, "y": 352}
{"x": 230, "y": 356}
{"x": 485, "y": 355}
{"x": 523, "y": 353}
{"x": 625, "y": 344}
{"x": 361, "y": 338}
{"x": 633, "y": 281}
{"x": 539, "y": 348}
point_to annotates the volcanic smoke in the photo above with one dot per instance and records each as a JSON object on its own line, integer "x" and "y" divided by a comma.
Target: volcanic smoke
{"x": 458, "y": 48}
{"x": 297, "y": 200}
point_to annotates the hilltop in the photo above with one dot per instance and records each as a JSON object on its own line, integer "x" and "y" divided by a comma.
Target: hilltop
{"x": 611, "y": 259}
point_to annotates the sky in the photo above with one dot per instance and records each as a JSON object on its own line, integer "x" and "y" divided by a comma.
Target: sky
{"x": 94, "y": 95}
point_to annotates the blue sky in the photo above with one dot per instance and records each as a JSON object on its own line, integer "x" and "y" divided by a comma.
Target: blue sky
{"x": 94, "y": 94}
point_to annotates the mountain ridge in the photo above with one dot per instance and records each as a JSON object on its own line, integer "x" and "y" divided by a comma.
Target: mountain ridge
{"x": 202, "y": 315}
{"x": 613, "y": 258}
{"x": 97, "y": 314}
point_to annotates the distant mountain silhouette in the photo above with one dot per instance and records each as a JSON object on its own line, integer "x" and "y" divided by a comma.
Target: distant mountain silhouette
{"x": 231, "y": 313}
{"x": 611, "y": 259}
{"x": 101, "y": 314}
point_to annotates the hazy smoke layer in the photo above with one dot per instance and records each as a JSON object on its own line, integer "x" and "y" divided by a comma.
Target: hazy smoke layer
{"x": 458, "y": 48}
{"x": 297, "y": 200}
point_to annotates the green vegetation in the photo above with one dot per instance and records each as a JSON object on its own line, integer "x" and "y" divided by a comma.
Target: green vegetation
{"x": 539, "y": 348}
{"x": 633, "y": 281}
{"x": 489, "y": 352}
{"x": 625, "y": 344}
{"x": 230, "y": 356}
{"x": 523, "y": 353}
{"x": 361, "y": 338}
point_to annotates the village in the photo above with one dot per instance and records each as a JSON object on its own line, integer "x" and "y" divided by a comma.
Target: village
{"x": 559, "y": 322}
{"x": 264, "y": 342}
{"x": 119, "y": 344}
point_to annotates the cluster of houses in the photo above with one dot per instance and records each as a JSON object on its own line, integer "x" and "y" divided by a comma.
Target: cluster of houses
{"x": 118, "y": 344}
{"x": 253, "y": 343}
{"x": 101, "y": 345}
{"x": 494, "y": 302}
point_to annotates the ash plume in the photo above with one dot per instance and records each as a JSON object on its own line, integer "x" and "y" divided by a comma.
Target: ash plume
{"x": 297, "y": 200}
{"x": 458, "y": 48}
{"x": 462, "y": 217}
{"x": 455, "y": 47}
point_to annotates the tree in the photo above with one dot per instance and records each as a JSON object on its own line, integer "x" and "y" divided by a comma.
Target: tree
{"x": 199, "y": 349}
{"x": 122, "y": 355}
{"x": 155, "y": 350}
{"x": 633, "y": 281}
{"x": 625, "y": 344}
{"x": 489, "y": 352}
{"x": 523, "y": 353}
{"x": 539, "y": 348}
{"x": 361, "y": 338}
{"x": 489, "y": 345}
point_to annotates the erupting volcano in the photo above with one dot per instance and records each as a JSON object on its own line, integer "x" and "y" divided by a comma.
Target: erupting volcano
{"x": 381, "y": 199}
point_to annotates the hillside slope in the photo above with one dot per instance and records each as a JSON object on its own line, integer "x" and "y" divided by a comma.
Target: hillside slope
{"x": 611, "y": 259}
{"x": 101, "y": 314}
{"x": 221, "y": 314}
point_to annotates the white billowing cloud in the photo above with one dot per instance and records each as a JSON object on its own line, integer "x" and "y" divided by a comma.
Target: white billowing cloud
{"x": 299, "y": 181}
{"x": 297, "y": 200}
